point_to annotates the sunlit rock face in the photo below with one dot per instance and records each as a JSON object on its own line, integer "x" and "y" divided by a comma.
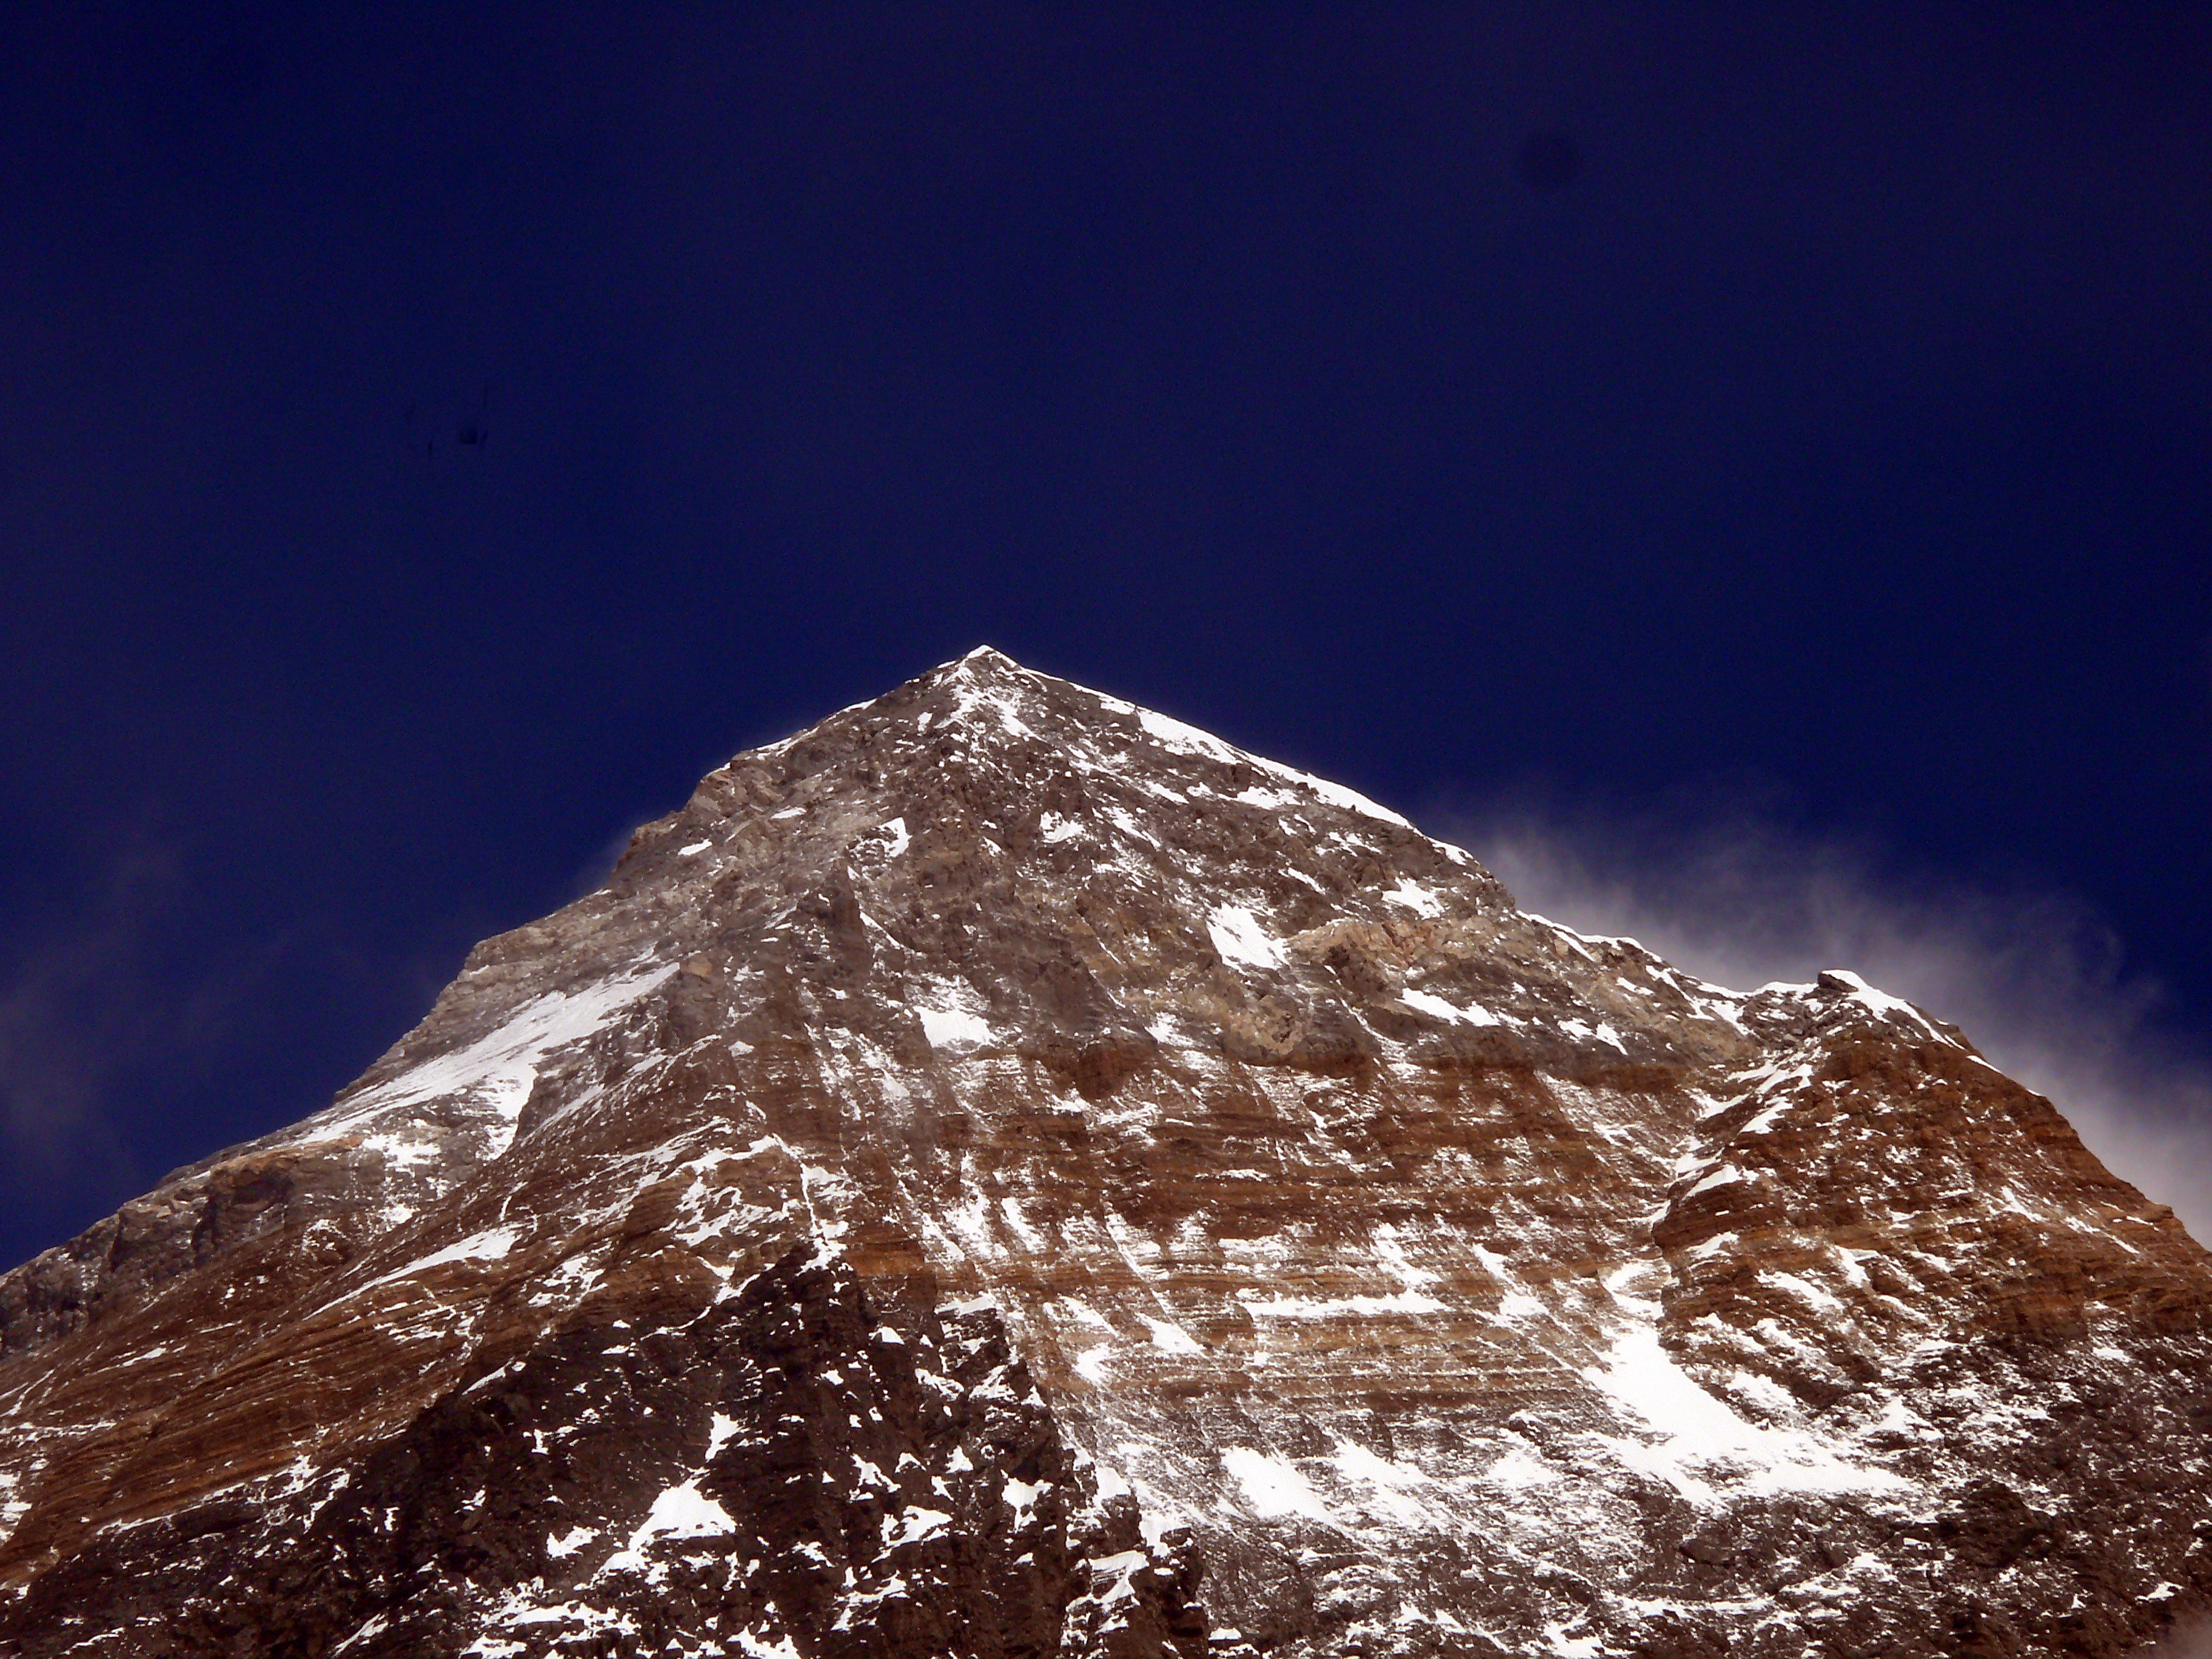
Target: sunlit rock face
{"x": 1005, "y": 1173}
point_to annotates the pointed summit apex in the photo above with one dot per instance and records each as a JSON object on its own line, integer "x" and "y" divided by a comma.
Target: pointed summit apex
{"x": 984, "y": 658}
{"x": 989, "y": 697}
{"x": 985, "y": 666}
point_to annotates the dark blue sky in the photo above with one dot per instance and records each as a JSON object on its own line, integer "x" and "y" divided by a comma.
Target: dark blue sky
{"x": 1837, "y": 440}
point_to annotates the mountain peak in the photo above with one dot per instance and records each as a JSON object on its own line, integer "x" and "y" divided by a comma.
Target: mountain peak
{"x": 1006, "y": 1172}
{"x": 983, "y": 660}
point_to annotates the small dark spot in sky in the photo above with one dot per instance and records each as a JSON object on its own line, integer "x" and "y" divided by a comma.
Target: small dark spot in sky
{"x": 436, "y": 426}
{"x": 1550, "y": 159}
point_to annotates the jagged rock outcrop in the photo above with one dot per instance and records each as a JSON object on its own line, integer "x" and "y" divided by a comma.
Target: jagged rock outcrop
{"x": 1005, "y": 1173}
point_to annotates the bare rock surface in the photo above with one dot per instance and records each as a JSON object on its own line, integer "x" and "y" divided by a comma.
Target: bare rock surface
{"x": 1004, "y": 1173}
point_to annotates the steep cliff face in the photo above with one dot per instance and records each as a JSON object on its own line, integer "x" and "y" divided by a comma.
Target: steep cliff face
{"x": 1003, "y": 1172}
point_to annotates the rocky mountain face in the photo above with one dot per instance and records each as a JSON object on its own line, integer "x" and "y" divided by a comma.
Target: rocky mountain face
{"x": 1003, "y": 1173}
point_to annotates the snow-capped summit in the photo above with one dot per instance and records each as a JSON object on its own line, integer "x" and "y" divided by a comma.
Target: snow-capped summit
{"x": 1004, "y": 1171}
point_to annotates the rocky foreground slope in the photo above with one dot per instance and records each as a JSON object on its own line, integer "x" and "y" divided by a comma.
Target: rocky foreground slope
{"x": 1004, "y": 1173}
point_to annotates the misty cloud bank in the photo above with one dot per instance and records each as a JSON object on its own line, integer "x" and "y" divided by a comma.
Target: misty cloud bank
{"x": 72, "y": 1015}
{"x": 2193, "y": 1641}
{"x": 2036, "y": 981}
{"x": 104, "y": 1005}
